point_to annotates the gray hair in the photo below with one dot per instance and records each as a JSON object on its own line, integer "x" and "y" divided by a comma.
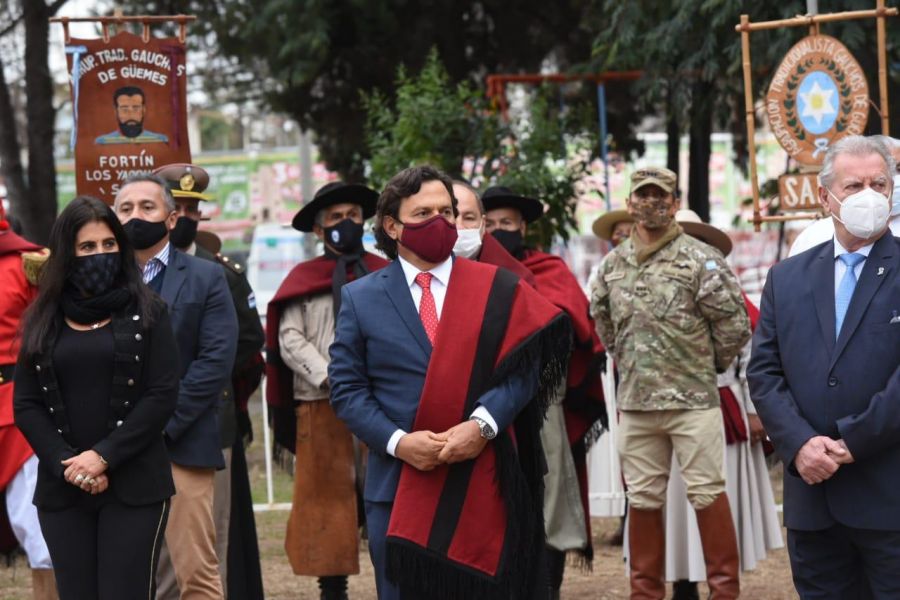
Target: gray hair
{"x": 889, "y": 142}
{"x": 855, "y": 145}
{"x": 150, "y": 177}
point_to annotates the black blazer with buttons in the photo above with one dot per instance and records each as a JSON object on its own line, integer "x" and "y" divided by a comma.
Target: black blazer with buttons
{"x": 144, "y": 392}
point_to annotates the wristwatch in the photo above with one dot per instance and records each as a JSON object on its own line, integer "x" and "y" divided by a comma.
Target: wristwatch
{"x": 487, "y": 432}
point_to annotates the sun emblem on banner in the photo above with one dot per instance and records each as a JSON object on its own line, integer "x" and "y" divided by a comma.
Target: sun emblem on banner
{"x": 818, "y": 102}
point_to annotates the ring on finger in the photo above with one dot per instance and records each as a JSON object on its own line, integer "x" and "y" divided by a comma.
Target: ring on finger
{"x": 79, "y": 478}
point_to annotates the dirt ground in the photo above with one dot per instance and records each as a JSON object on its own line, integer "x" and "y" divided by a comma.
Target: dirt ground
{"x": 770, "y": 581}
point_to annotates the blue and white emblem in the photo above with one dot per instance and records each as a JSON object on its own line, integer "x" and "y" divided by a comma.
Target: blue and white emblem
{"x": 818, "y": 99}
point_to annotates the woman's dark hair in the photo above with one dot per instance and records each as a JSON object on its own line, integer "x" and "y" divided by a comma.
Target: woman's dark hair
{"x": 401, "y": 186}
{"x": 39, "y": 321}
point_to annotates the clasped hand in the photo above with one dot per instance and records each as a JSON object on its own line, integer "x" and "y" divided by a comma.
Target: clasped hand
{"x": 425, "y": 450}
{"x": 87, "y": 471}
{"x": 820, "y": 458}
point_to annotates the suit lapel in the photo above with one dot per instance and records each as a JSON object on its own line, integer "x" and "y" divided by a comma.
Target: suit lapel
{"x": 175, "y": 277}
{"x": 822, "y": 278}
{"x": 876, "y": 270}
{"x": 394, "y": 283}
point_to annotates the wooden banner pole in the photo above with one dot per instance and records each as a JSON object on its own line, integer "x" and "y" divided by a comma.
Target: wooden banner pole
{"x": 750, "y": 116}
{"x": 882, "y": 69}
{"x": 810, "y": 20}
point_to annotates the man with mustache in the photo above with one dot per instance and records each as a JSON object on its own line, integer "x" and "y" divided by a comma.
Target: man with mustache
{"x": 670, "y": 312}
{"x": 131, "y": 108}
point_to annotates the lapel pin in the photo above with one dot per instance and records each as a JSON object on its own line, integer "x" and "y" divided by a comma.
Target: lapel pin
{"x": 880, "y": 271}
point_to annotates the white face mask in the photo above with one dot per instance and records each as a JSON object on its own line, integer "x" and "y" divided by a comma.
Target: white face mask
{"x": 864, "y": 213}
{"x": 895, "y": 199}
{"x": 468, "y": 242}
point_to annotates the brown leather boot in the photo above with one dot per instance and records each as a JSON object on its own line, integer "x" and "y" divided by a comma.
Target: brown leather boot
{"x": 647, "y": 549}
{"x": 719, "y": 549}
{"x": 43, "y": 585}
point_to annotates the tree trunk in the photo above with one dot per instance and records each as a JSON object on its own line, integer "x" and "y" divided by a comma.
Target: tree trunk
{"x": 700, "y": 150}
{"x": 10, "y": 152}
{"x": 38, "y": 211}
{"x": 673, "y": 137}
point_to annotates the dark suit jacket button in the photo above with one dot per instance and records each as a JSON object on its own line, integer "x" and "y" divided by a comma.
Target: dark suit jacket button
{"x": 51, "y": 410}
{"x": 37, "y": 368}
{"x": 119, "y": 423}
{"x": 832, "y": 381}
{"x": 126, "y": 404}
{"x": 138, "y": 337}
{"x": 130, "y": 382}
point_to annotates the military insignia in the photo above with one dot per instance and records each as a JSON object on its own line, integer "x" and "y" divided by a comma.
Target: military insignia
{"x": 711, "y": 265}
{"x": 186, "y": 182}
{"x": 818, "y": 95}
{"x": 613, "y": 276}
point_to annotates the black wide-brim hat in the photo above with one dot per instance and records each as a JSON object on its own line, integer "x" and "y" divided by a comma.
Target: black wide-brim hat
{"x": 499, "y": 196}
{"x": 336, "y": 192}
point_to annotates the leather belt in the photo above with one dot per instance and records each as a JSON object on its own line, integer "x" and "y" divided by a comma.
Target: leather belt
{"x": 6, "y": 373}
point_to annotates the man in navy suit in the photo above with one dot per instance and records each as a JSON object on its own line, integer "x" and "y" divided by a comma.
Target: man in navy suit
{"x": 404, "y": 347}
{"x": 205, "y": 325}
{"x": 824, "y": 377}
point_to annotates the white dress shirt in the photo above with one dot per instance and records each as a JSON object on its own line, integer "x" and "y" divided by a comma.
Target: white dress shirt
{"x": 439, "y": 281}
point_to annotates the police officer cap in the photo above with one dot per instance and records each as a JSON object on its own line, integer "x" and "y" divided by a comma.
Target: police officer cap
{"x": 185, "y": 180}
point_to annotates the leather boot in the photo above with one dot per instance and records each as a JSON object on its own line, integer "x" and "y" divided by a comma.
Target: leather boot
{"x": 647, "y": 549}
{"x": 685, "y": 590}
{"x": 720, "y": 551}
{"x": 333, "y": 587}
{"x": 43, "y": 585}
{"x": 556, "y": 567}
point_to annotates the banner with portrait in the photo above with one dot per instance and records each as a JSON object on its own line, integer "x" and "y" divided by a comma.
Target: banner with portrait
{"x": 129, "y": 108}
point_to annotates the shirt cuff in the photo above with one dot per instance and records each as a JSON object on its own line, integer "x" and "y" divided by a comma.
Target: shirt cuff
{"x": 483, "y": 414}
{"x": 393, "y": 441}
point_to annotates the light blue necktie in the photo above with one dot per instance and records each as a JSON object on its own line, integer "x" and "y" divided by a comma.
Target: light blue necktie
{"x": 845, "y": 289}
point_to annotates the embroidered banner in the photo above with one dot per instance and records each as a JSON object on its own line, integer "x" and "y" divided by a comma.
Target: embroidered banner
{"x": 129, "y": 109}
{"x": 818, "y": 95}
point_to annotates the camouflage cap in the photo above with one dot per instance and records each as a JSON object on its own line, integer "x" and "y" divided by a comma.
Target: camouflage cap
{"x": 660, "y": 176}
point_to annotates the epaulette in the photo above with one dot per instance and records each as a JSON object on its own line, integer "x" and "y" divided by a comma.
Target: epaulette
{"x": 33, "y": 264}
{"x": 224, "y": 260}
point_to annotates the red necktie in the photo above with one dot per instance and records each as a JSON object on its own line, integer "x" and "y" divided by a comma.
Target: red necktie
{"x": 427, "y": 310}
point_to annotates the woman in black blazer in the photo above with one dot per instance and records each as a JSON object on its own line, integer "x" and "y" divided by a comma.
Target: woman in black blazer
{"x": 96, "y": 382}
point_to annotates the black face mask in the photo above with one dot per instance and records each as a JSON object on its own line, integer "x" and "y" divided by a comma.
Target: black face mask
{"x": 345, "y": 236}
{"x": 94, "y": 274}
{"x": 510, "y": 240}
{"x": 184, "y": 233}
{"x": 144, "y": 234}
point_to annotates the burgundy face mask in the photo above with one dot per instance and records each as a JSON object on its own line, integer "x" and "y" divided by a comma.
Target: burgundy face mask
{"x": 431, "y": 240}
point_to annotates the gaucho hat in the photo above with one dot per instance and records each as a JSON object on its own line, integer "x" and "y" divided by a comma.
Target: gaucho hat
{"x": 499, "y": 196}
{"x": 336, "y": 192}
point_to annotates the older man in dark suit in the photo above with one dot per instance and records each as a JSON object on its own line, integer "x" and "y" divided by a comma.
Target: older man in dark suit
{"x": 824, "y": 377}
{"x": 206, "y": 329}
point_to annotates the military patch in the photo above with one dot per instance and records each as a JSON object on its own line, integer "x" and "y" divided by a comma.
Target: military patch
{"x": 613, "y": 276}
{"x": 711, "y": 265}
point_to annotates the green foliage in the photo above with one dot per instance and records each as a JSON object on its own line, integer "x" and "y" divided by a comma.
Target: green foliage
{"x": 542, "y": 153}
{"x": 431, "y": 121}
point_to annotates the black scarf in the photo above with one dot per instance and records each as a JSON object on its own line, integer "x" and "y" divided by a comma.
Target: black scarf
{"x": 93, "y": 309}
{"x": 339, "y": 278}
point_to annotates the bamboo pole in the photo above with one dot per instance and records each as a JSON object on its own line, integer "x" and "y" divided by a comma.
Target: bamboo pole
{"x": 810, "y": 20}
{"x": 882, "y": 69}
{"x": 750, "y": 117}
{"x": 134, "y": 19}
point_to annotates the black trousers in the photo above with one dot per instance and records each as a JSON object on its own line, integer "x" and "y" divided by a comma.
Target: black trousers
{"x": 844, "y": 563}
{"x": 104, "y": 549}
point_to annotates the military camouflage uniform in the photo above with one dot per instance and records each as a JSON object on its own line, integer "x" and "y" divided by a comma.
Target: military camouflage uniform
{"x": 671, "y": 316}
{"x": 671, "y": 323}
